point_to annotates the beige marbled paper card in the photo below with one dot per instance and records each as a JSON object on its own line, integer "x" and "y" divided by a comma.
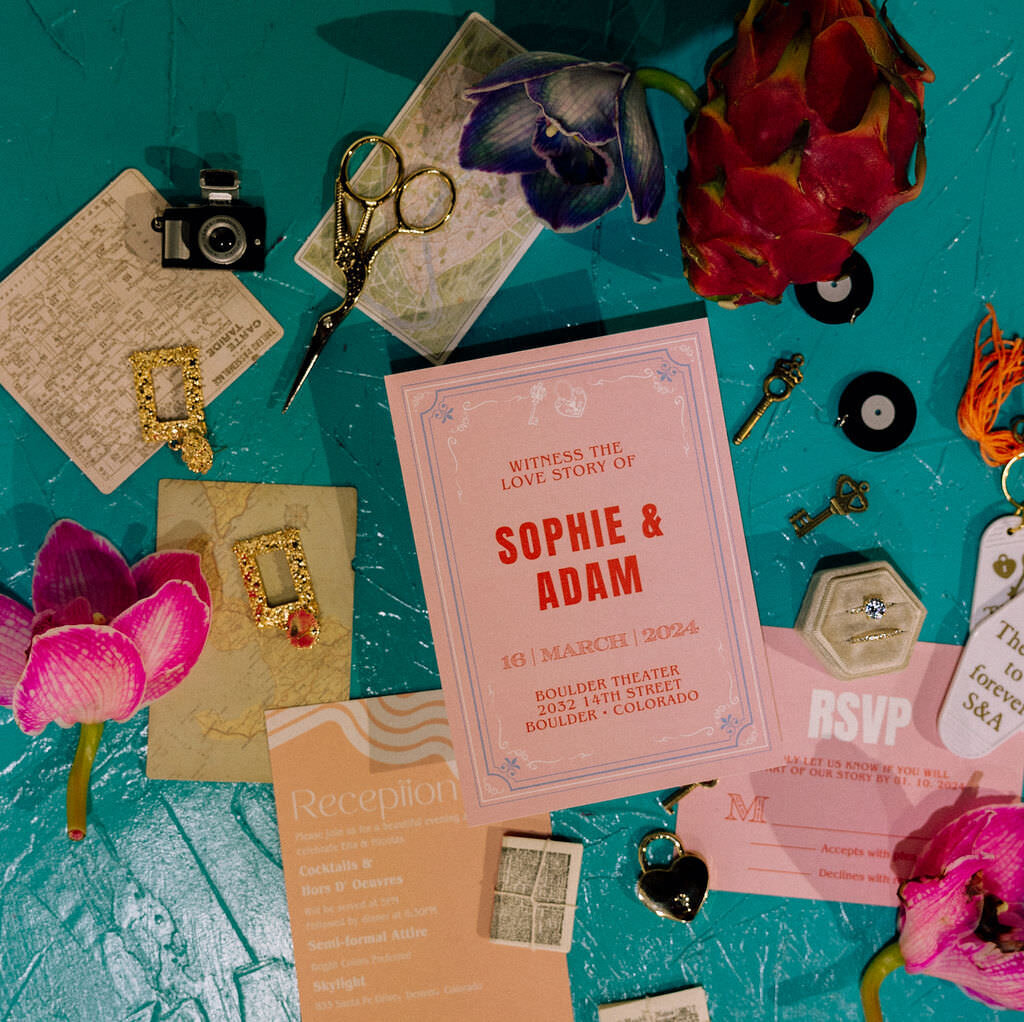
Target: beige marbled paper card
{"x": 211, "y": 727}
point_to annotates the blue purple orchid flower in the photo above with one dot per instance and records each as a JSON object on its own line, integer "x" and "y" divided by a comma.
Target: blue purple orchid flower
{"x": 578, "y": 132}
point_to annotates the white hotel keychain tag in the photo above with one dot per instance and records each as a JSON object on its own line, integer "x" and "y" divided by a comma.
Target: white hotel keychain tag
{"x": 984, "y": 704}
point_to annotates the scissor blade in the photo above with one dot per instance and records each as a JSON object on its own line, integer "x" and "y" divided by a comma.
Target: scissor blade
{"x": 325, "y": 326}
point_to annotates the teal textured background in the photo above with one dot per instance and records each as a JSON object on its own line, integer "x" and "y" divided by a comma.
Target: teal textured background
{"x": 174, "y": 908}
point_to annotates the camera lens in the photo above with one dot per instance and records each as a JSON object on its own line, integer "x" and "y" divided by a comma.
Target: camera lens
{"x": 222, "y": 240}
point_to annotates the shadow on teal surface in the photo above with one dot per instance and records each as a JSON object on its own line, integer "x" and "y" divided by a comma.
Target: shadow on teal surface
{"x": 385, "y": 38}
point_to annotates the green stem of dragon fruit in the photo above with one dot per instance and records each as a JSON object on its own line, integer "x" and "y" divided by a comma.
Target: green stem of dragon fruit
{"x": 78, "y": 779}
{"x": 887, "y": 960}
{"x": 665, "y": 81}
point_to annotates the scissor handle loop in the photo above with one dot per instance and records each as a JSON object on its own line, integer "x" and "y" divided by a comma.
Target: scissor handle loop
{"x": 403, "y": 224}
{"x": 345, "y": 179}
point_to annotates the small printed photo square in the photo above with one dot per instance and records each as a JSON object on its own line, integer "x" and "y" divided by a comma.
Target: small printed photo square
{"x": 535, "y": 893}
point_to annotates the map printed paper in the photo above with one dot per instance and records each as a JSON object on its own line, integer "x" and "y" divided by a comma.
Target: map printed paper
{"x": 585, "y": 570}
{"x": 864, "y": 782}
{"x": 428, "y": 290}
{"x": 73, "y": 311}
{"x": 211, "y": 727}
{"x": 389, "y": 892}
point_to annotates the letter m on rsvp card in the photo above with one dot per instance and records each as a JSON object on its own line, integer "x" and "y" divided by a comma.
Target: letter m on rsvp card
{"x": 585, "y": 570}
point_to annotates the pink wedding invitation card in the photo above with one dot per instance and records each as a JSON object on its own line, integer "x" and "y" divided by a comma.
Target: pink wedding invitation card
{"x": 864, "y": 783}
{"x": 389, "y": 891}
{"x": 585, "y": 570}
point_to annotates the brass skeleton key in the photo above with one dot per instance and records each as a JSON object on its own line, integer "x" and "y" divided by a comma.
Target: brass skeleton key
{"x": 787, "y": 372}
{"x": 850, "y": 498}
{"x": 670, "y": 801}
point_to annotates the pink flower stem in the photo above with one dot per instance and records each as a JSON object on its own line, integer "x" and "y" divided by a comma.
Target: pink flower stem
{"x": 78, "y": 779}
{"x": 887, "y": 960}
{"x": 665, "y": 81}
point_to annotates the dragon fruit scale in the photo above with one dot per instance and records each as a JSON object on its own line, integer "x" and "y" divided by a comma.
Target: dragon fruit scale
{"x": 812, "y": 133}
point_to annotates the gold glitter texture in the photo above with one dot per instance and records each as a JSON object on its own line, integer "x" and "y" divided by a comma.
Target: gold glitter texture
{"x": 186, "y": 435}
{"x": 266, "y": 616}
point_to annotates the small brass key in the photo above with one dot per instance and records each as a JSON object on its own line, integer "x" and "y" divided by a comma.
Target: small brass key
{"x": 670, "y": 801}
{"x": 849, "y": 499}
{"x": 787, "y": 372}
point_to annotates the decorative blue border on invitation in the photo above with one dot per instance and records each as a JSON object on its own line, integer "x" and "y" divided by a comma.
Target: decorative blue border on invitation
{"x": 638, "y": 356}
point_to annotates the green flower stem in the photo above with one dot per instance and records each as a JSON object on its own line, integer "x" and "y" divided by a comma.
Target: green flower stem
{"x": 887, "y": 960}
{"x": 665, "y": 81}
{"x": 78, "y": 779}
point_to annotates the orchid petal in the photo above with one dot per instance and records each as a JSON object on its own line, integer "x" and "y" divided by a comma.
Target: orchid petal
{"x": 582, "y": 100}
{"x": 960, "y": 917}
{"x": 169, "y": 628}
{"x": 179, "y": 565}
{"x": 74, "y": 562}
{"x": 993, "y": 834}
{"x": 498, "y": 134}
{"x": 15, "y": 635}
{"x": 938, "y": 913}
{"x": 570, "y": 160}
{"x": 642, "y": 162}
{"x": 524, "y": 68}
{"x": 571, "y": 207}
{"x": 79, "y": 674}
{"x": 77, "y": 612}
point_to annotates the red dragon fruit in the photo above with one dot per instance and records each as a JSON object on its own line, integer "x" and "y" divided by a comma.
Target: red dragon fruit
{"x": 812, "y": 133}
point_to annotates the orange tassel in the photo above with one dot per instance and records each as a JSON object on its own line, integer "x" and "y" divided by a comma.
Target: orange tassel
{"x": 994, "y": 374}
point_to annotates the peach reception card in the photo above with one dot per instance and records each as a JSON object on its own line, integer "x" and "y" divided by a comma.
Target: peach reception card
{"x": 389, "y": 891}
{"x": 585, "y": 570}
{"x": 865, "y": 781}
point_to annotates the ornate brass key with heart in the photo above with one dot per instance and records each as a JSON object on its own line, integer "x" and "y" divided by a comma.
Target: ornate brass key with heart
{"x": 850, "y": 498}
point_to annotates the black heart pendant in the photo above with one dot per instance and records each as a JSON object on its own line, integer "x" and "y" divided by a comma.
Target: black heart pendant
{"x": 675, "y": 891}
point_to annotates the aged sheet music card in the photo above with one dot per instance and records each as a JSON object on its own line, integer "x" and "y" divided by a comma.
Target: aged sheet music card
{"x": 74, "y": 310}
{"x": 211, "y": 727}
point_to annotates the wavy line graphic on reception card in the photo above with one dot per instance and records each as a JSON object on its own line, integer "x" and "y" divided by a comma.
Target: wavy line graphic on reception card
{"x": 397, "y": 730}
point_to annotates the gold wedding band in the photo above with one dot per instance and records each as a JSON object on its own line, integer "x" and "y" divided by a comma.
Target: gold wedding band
{"x": 876, "y": 635}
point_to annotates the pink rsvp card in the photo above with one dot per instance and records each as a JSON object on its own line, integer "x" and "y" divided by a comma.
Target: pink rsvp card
{"x": 585, "y": 570}
{"x": 865, "y": 781}
{"x": 389, "y": 891}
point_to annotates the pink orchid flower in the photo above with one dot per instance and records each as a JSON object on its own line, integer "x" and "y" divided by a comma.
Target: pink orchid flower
{"x": 104, "y": 640}
{"x": 962, "y": 915}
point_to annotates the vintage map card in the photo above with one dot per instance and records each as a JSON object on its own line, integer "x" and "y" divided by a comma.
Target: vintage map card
{"x": 211, "y": 727}
{"x": 429, "y": 290}
{"x": 74, "y": 310}
{"x": 389, "y": 891}
{"x": 865, "y": 782}
{"x": 585, "y": 570}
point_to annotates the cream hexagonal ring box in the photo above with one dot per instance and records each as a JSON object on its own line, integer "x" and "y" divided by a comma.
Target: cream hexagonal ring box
{"x": 860, "y": 620}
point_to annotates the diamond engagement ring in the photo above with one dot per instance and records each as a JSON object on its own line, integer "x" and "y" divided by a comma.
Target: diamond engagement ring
{"x": 873, "y": 607}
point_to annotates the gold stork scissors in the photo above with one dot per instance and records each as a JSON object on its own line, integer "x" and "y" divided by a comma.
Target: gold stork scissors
{"x": 353, "y": 255}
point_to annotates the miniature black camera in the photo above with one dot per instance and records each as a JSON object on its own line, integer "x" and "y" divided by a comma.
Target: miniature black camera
{"x": 220, "y": 233}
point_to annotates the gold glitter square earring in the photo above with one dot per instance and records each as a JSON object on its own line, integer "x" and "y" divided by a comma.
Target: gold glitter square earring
{"x": 300, "y": 617}
{"x": 186, "y": 435}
